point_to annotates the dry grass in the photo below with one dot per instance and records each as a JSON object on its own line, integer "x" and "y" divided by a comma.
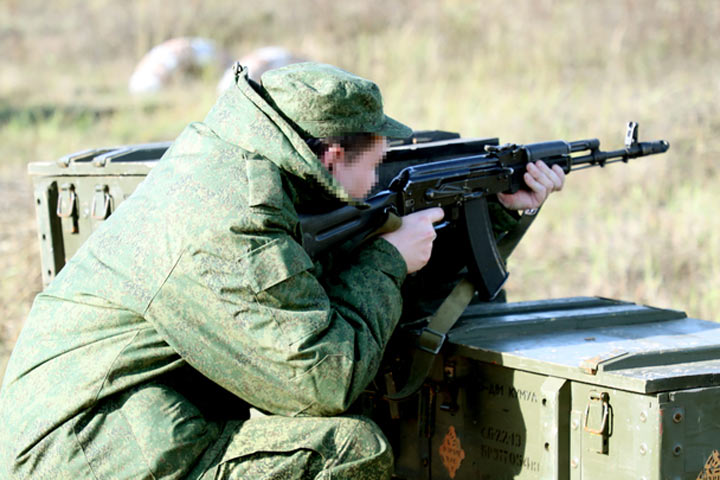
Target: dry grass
{"x": 523, "y": 71}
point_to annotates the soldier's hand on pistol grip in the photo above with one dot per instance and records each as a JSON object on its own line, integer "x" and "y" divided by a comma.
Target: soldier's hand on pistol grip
{"x": 414, "y": 239}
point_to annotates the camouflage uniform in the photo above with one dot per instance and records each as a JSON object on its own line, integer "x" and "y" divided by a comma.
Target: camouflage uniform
{"x": 195, "y": 299}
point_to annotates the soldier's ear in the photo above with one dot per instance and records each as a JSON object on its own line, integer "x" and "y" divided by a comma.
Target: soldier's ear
{"x": 333, "y": 155}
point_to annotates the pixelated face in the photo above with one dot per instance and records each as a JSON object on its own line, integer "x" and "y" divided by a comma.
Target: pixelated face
{"x": 359, "y": 175}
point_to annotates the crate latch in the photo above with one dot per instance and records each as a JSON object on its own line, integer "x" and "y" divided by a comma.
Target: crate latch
{"x": 67, "y": 206}
{"x": 66, "y": 201}
{"x": 597, "y": 423}
{"x": 100, "y": 207}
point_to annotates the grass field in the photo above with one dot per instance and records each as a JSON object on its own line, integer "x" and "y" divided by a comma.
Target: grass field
{"x": 521, "y": 70}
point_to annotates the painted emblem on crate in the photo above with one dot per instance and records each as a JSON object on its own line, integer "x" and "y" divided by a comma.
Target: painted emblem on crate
{"x": 711, "y": 470}
{"x": 451, "y": 452}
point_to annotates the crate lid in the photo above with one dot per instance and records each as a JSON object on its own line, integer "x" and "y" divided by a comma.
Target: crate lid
{"x": 594, "y": 340}
{"x": 117, "y": 160}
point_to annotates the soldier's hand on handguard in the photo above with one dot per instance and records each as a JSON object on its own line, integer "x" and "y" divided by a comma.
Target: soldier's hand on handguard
{"x": 542, "y": 181}
{"x": 414, "y": 239}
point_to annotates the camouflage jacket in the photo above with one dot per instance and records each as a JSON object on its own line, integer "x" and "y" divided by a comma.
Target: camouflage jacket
{"x": 200, "y": 270}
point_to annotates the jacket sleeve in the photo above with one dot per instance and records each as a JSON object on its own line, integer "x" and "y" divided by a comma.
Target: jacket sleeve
{"x": 502, "y": 218}
{"x": 247, "y": 311}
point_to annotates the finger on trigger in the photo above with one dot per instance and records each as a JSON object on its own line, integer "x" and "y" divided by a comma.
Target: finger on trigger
{"x": 435, "y": 214}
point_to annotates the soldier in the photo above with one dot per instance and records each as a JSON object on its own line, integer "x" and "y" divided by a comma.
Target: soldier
{"x": 195, "y": 300}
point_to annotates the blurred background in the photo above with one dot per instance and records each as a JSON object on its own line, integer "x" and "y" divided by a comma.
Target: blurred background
{"x": 523, "y": 70}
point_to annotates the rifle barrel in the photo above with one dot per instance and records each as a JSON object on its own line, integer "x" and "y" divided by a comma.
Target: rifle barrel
{"x": 637, "y": 149}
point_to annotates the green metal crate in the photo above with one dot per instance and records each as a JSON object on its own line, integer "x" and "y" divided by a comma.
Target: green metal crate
{"x": 577, "y": 388}
{"x": 77, "y": 192}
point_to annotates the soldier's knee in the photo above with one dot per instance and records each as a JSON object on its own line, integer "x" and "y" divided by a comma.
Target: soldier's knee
{"x": 362, "y": 445}
{"x": 361, "y": 430}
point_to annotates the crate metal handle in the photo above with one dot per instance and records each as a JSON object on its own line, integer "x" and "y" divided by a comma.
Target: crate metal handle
{"x": 605, "y": 415}
{"x": 100, "y": 193}
{"x": 61, "y": 211}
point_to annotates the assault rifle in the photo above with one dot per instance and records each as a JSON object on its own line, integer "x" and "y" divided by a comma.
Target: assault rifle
{"x": 462, "y": 186}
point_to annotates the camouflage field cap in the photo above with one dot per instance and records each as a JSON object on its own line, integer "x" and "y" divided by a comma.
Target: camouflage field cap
{"x": 324, "y": 101}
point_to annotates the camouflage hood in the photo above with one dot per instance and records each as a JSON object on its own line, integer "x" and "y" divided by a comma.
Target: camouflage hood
{"x": 242, "y": 117}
